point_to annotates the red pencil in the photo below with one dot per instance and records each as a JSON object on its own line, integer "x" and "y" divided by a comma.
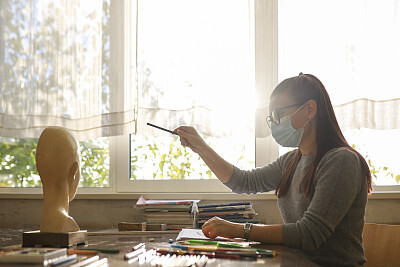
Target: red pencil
{"x": 186, "y": 252}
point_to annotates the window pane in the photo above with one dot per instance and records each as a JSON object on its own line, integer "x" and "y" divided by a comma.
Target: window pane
{"x": 95, "y": 169}
{"x": 196, "y": 62}
{"x": 18, "y": 165}
{"x": 378, "y": 147}
{"x": 353, "y": 47}
{"x": 165, "y": 158}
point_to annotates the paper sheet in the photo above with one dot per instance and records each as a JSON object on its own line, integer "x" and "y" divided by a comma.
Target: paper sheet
{"x": 196, "y": 234}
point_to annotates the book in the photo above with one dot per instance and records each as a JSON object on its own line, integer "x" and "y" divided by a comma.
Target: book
{"x": 41, "y": 256}
{"x": 226, "y": 208}
{"x": 227, "y": 212}
{"x": 167, "y": 214}
{"x": 173, "y": 213}
{"x": 142, "y": 202}
{"x": 165, "y": 207}
{"x": 223, "y": 204}
{"x": 169, "y": 221}
{"x": 228, "y": 218}
{"x": 202, "y": 221}
{"x": 179, "y": 226}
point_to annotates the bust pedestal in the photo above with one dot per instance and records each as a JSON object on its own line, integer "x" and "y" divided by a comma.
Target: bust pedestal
{"x": 58, "y": 240}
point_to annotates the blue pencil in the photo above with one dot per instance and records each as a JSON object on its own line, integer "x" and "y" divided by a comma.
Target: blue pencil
{"x": 69, "y": 258}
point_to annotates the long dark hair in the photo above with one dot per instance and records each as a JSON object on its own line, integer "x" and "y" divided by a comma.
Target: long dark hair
{"x": 328, "y": 134}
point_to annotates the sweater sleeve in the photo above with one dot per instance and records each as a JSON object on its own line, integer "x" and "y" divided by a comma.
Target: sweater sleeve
{"x": 338, "y": 181}
{"x": 261, "y": 179}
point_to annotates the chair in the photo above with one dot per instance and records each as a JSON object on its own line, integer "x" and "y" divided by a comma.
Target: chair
{"x": 382, "y": 244}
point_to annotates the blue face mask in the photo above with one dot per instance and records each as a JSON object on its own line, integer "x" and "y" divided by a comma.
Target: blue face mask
{"x": 284, "y": 133}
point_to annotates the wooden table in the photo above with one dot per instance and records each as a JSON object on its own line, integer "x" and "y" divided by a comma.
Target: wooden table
{"x": 124, "y": 243}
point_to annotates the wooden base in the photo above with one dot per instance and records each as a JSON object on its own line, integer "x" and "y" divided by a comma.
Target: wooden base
{"x": 156, "y": 227}
{"x": 127, "y": 226}
{"x": 58, "y": 240}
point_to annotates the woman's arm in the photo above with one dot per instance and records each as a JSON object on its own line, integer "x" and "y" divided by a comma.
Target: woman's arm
{"x": 262, "y": 179}
{"x": 271, "y": 234}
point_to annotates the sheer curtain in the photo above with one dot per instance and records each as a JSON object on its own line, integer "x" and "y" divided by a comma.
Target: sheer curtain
{"x": 195, "y": 66}
{"x": 353, "y": 47}
{"x": 97, "y": 68}
{"x": 65, "y": 63}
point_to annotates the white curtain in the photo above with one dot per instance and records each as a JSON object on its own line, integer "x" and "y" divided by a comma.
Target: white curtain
{"x": 353, "y": 48}
{"x": 97, "y": 68}
{"x": 195, "y": 66}
{"x": 65, "y": 63}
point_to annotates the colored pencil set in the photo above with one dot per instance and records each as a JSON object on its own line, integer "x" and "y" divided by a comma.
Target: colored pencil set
{"x": 218, "y": 249}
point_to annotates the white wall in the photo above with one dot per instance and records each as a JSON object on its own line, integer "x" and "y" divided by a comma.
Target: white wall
{"x": 107, "y": 213}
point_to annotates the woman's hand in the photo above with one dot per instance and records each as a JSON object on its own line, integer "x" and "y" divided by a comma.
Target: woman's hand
{"x": 190, "y": 138}
{"x": 219, "y": 227}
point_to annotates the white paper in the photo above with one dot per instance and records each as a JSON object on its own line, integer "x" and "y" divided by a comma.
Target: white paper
{"x": 196, "y": 234}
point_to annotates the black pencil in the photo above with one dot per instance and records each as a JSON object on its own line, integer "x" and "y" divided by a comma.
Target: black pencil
{"x": 158, "y": 127}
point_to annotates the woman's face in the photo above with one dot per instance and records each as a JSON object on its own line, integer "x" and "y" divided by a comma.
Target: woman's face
{"x": 281, "y": 104}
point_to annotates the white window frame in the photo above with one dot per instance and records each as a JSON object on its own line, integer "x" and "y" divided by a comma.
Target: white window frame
{"x": 265, "y": 61}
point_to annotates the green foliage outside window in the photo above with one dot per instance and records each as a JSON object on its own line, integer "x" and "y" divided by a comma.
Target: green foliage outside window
{"x": 18, "y": 164}
{"x": 166, "y": 158}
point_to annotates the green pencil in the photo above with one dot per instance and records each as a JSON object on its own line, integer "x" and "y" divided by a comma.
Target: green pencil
{"x": 101, "y": 250}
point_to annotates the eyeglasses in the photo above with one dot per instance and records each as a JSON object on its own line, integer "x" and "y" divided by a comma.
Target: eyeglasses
{"x": 275, "y": 118}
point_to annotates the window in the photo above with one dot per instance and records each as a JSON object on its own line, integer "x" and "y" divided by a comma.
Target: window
{"x": 194, "y": 69}
{"x": 183, "y": 61}
{"x": 181, "y": 69}
{"x": 353, "y": 47}
{"x": 39, "y": 70}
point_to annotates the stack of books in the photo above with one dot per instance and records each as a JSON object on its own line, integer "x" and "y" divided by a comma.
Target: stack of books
{"x": 176, "y": 214}
{"x": 240, "y": 212}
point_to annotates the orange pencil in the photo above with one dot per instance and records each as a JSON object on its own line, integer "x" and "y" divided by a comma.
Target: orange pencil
{"x": 82, "y": 252}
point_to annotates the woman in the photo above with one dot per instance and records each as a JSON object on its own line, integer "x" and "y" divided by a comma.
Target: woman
{"x": 322, "y": 186}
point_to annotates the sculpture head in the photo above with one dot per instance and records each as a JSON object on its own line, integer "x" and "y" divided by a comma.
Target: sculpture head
{"x": 58, "y": 160}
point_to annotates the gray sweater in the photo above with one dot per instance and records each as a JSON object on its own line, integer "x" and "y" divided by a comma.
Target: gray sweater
{"x": 328, "y": 226}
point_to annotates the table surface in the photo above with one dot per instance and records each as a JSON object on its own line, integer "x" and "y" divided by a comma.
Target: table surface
{"x": 124, "y": 243}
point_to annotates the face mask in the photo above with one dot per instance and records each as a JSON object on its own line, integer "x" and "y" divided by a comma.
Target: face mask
{"x": 284, "y": 133}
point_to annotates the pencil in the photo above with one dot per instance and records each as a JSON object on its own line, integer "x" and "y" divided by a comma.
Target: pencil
{"x": 102, "y": 262}
{"x": 102, "y": 250}
{"x": 86, "y": 262}
{"x": 69, "y": 258}
{"x": 161, "y": 128}
{"x": 140, "y": 245}
{"x": 134, "y": 253}
{"x": 201, "y": 253}
{"x": 82, "y": 252}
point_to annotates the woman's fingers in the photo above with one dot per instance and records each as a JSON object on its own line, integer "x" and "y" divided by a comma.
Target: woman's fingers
{"x": 189, "y": 137}
{"x": 215, "y": 227}
{"x": 184, "y": 142}
{"x": 209, "y": 232}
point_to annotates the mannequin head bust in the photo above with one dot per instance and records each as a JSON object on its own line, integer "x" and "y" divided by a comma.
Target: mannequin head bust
{"x": 58, "y": 164}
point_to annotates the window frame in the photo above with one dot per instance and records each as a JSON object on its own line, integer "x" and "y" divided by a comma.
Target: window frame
{"x": 266, "y": 151}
